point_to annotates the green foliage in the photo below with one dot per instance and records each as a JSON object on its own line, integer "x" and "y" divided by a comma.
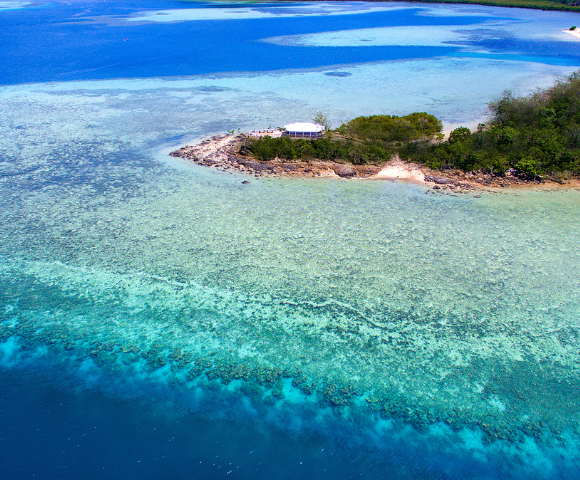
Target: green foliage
{"x": 528, "y": 166}
{"x": 537, "y": 134}
{"x": 573, "y": 27}
{"x": 387, "y": 128}
{"x": 325, "y": 148}
{"x": 267, "y": 148}
{"x": 321, "y": 119}
{"x": 460, "y": 134}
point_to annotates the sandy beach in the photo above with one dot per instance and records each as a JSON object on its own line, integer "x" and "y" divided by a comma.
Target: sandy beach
{"x": 574, "y": 33}
{"x": 399, "y": 170}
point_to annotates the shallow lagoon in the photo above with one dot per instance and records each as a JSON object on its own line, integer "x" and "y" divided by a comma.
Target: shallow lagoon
{"x": 374, "y": 319}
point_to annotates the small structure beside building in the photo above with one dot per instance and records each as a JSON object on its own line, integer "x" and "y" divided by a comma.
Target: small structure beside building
{"x": 266, "y": 132}
{"x": 292, "y": 130}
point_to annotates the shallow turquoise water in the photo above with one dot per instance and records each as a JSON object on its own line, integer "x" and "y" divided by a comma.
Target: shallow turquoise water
{"x": 436, "y": 334}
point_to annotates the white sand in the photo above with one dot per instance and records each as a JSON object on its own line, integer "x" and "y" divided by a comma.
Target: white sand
{"x": 401, "y": 171}
{"x": 575, "y": 33}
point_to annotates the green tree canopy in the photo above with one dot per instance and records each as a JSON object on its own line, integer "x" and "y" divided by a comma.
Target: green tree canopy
{"x": 387, "y": 128}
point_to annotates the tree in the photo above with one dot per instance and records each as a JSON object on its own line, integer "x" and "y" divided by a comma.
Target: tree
{"x": 321, "y": 119}
{"x": 459, "y": 134}
{"x": 527, "y": 166}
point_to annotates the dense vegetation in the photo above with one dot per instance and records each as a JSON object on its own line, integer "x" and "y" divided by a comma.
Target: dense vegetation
{"x": 537, "y": 134}
{"x": 387, "y": 128}
{"x": 363, "y": 140}
{"x": 325, "y": 148}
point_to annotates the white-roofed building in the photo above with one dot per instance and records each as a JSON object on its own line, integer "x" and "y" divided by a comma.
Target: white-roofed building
{"x": 303, "y": 130}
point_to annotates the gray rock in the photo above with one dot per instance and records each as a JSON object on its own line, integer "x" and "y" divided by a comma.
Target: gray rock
{"x": 439, "y": 180}
{"x": 345, "y": 171}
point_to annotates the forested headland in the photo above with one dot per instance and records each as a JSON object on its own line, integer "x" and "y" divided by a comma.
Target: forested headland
{"x": 532, "y": 135}
{"x": 537, "y": 134}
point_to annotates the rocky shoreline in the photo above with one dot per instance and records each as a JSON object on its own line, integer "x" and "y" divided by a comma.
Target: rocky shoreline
{"x": 222, "y": 153}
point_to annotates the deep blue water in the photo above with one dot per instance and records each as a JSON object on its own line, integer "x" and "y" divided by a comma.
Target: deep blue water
{"x": 59, "y": 44}
{"x": 84, "y": 433}
{"x": 78, "y": 428}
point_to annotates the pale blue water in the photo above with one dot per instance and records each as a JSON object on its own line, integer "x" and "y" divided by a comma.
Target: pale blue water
{"x": 162, "y": 320}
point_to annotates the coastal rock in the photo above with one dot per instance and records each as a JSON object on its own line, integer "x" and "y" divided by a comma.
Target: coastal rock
{"x": 368, "y": 170}
{"x": 211, "y": 161}
{"x": 344, "y": 171}
{"x": 439, "y": 180}
{"x": 257, "y": 166}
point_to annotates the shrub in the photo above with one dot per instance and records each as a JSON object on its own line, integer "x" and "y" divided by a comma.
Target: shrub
{"x": 527, "y": 166}
{"x": 387, "y": 128}
{"x": 459, "y": 134}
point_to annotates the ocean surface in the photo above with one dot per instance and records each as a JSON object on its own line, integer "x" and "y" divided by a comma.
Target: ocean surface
{"x": 163, "y": 320}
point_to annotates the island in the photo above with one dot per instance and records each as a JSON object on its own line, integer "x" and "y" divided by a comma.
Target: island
{"x": 528, "y": 140}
